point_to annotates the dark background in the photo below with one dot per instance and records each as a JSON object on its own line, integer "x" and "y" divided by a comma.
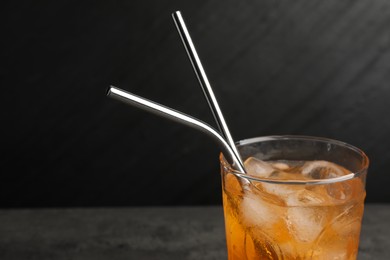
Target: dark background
{"x": 277, "y": 67}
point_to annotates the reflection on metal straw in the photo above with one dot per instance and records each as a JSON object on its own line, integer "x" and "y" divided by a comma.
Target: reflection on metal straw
{"x": 204, "y": 82}
{"x": 177, "y": 116}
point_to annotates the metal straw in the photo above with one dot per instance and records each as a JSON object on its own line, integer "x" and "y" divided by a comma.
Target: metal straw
{"x": 204, "y": 82}
{"x": 176, "y": 116}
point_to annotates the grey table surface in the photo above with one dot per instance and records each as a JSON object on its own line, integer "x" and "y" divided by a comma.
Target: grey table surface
{"x": 143, "y": 233}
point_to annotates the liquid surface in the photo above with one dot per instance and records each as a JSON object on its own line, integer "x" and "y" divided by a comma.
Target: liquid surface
{"x": 281, "y": 221}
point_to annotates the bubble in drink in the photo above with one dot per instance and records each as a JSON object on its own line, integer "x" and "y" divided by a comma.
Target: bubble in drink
{"x": 283, "y": 221}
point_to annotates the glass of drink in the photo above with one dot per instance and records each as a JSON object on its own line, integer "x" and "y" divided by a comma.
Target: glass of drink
{"x": 302, "y": 198}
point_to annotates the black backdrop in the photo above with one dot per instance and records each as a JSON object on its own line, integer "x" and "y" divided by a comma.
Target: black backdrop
{"x": 277, "y": 67}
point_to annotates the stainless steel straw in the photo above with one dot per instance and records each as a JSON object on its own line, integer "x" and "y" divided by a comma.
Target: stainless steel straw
{"x": 204, "y": 82}
{"x": 176, "y": 116}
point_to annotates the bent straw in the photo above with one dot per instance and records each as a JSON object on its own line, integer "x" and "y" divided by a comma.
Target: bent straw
{"x": 204, "y": 82}
{"x": 176, "y": 116}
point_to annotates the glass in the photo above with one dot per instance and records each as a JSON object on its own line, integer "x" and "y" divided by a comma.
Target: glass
{"x": 303, "y": 198}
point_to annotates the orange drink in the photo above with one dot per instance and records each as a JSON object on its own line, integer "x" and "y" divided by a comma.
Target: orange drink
{"x": 302, "y": 198}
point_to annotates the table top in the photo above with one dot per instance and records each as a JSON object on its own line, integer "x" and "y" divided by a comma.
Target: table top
{"x": 144, "y": 233}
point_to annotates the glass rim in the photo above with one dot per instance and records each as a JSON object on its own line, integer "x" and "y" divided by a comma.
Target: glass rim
{"x": 363, "y": 168}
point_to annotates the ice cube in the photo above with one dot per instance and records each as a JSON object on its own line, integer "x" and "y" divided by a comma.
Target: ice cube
{"x": 258, "y": 212}
{"x": 322, "y": 170}
{"x": 348, "y": 220}
{"x": 305, "y": 216}
{"x": 258, "y": 168}
{"x": 340, "y": 239}
{"x": 305, "y": 197}
{"x": 282, "y": 191}
{"x": 305, "y": 223}
{"x": 339, "y": 190}
{"x": 281, "y": 166}
{"x": 345, "y": 190}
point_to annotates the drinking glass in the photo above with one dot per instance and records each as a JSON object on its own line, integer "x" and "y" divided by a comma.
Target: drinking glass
{"x": 302, "y": 198}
